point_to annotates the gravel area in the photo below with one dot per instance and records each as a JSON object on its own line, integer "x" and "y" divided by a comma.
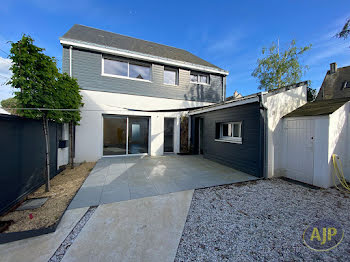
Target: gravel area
{"x": 65, "y": 245}
{"x": 261, "y": 221}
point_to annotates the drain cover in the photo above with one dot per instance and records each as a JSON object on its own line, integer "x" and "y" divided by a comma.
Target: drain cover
{"x": 32, "y": 203}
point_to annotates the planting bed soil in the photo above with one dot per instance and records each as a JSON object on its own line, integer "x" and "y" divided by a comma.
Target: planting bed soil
{"x": 63, "y": 188}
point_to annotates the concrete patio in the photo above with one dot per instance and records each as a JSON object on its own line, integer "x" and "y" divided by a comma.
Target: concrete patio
{"x": 124, "y": 178}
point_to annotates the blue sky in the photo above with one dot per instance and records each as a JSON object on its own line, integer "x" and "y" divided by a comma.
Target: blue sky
{"x": 229, "y": 34}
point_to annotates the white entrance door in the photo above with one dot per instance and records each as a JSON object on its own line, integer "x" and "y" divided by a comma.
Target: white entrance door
{"x": 298, "y": 149}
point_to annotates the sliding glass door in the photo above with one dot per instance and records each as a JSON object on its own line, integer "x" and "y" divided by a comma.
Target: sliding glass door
{"x": 124, "y": 135}
{"x": 114, "y": 135}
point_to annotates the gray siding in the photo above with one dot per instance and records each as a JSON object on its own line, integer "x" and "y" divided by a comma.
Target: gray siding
{"x": 86, "y": 67}
{"x": 246, "y": 157}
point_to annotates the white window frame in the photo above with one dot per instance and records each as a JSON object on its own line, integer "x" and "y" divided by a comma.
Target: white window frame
{"x": 176, "y": 75}
{"x": 123, "y": 77}
{"x": 230, "y": 139}
{"x": 198, "y": 78}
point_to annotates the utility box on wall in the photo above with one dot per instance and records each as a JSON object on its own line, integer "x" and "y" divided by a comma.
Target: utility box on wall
{"x": 62, "y": 143}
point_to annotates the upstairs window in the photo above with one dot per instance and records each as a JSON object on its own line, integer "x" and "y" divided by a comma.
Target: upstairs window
{"x": 346, "y": 84}
{"x": 229, "y": 132}
{"x": 125, "y": 68}
{"x": 198, "y": 78}
{"x": 171, "y": 76}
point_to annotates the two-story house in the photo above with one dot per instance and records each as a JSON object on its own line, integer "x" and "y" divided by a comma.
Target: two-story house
{"x": 134, "y": 92}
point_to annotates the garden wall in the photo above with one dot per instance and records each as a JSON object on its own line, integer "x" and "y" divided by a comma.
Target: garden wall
{"x": 22, "y": 157}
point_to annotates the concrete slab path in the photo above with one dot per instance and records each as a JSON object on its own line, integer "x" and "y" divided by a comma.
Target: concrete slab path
{"x": 146, "y": 229}
{"x": 124, "y": 178}
{"x": 41, "y": 248}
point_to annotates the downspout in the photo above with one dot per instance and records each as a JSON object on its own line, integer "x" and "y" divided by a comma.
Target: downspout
{"x": 264, "y": 135}
{"x": 71, "y": 154}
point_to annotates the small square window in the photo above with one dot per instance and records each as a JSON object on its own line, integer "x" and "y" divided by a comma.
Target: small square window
{"x": 229, "y": 132}
{"x": 203, "y": 79}
{"x": 194, "y": 78}
{"x": 170, "y": 76}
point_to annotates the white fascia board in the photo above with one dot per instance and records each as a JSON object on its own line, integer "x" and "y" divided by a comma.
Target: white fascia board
{"x": 223, "y": 106}
{"x": 135, "y": 55}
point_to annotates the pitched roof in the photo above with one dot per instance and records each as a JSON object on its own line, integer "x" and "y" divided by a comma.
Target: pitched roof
{"x": 319, "y": 108}
{"x": 109, "y": 39}
{"x": 332, "y": 86}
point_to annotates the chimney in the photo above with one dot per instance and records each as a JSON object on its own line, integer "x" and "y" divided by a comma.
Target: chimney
{"x": 333, "y": 68}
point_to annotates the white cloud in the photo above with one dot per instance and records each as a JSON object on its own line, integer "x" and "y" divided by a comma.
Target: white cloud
{"x": 5, "y": 90}
{"x": 228, "y": 43}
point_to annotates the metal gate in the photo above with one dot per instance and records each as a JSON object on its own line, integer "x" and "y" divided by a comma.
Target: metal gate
{"x": 299, "y": 149}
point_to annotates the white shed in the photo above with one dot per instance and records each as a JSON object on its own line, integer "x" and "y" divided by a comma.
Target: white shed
{"x": 311, "y": 134}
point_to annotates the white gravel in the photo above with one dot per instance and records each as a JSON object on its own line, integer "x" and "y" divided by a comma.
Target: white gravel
{"x": 261, "y": 221}
{"x": 66, "y": 244}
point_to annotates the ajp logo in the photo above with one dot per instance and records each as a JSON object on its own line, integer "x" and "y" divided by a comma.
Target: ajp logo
{"x": 323, "y": 235}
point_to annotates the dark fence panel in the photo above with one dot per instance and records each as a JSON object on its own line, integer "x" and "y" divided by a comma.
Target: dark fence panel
{"x": 22, "y": 157}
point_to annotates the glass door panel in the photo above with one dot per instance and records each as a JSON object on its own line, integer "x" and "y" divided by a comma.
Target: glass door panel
{"x": 114, "y": 135}
{"x": 168, "y": 134}
{"x": 138, "y": 135}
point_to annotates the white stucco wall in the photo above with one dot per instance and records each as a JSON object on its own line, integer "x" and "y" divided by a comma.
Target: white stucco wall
{"x": 89, "y": 134}
{"x": 331, "y": 136}
{"x": 339, "y": 138}
{"x": 63, "y": 153}
{"x": 278, "y": 105}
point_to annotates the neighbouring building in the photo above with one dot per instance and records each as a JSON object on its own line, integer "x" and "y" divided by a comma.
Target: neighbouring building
{"x": 134, "y": 92}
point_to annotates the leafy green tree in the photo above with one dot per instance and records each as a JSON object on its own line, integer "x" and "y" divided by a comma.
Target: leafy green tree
{"x": 42, "y": 91}
{"x": 10, "y": 103}
{"x": 345, "y": 32}
{"x": 311, "y": 94}
{"x": 280, "y": 68}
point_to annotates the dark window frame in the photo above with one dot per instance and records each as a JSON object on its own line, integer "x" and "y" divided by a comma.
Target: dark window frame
{"x": 198, "y": 75}
{"x": 172, "y": 69}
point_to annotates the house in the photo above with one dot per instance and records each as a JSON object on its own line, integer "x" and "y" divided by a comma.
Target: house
{"x": 246, "y": 133}
{"x": 134, "y": 92}
{"x": 317, "y": 130}
{"x": 336, "y": 83}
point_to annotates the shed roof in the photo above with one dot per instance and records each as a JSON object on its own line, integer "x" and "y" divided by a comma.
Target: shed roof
{"x": 319, "y": 108}
{"x": 109, "y": 39}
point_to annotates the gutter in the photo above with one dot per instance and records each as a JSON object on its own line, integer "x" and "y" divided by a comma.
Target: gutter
{"x": 224, "y": 105}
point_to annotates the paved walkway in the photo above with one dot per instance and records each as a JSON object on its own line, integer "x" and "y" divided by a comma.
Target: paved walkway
{"x": 147, "y": 229}
{"x": 124, "y": 178}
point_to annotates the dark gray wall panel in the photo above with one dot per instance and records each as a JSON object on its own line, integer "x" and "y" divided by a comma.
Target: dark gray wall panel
{"x": 86, "y": 67}
{"x": 65, "y": 60}
{"x": 245, "y": 157}
{"x": 22, "y": 157}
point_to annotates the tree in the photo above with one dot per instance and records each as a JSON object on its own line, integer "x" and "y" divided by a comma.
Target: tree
{"x": 280, "y": 68}
{"x": 345, "y": 32}
{"x": 41, "y": 91}
{"x": 10, "y": 103}
{"x": 311, "y": 94}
